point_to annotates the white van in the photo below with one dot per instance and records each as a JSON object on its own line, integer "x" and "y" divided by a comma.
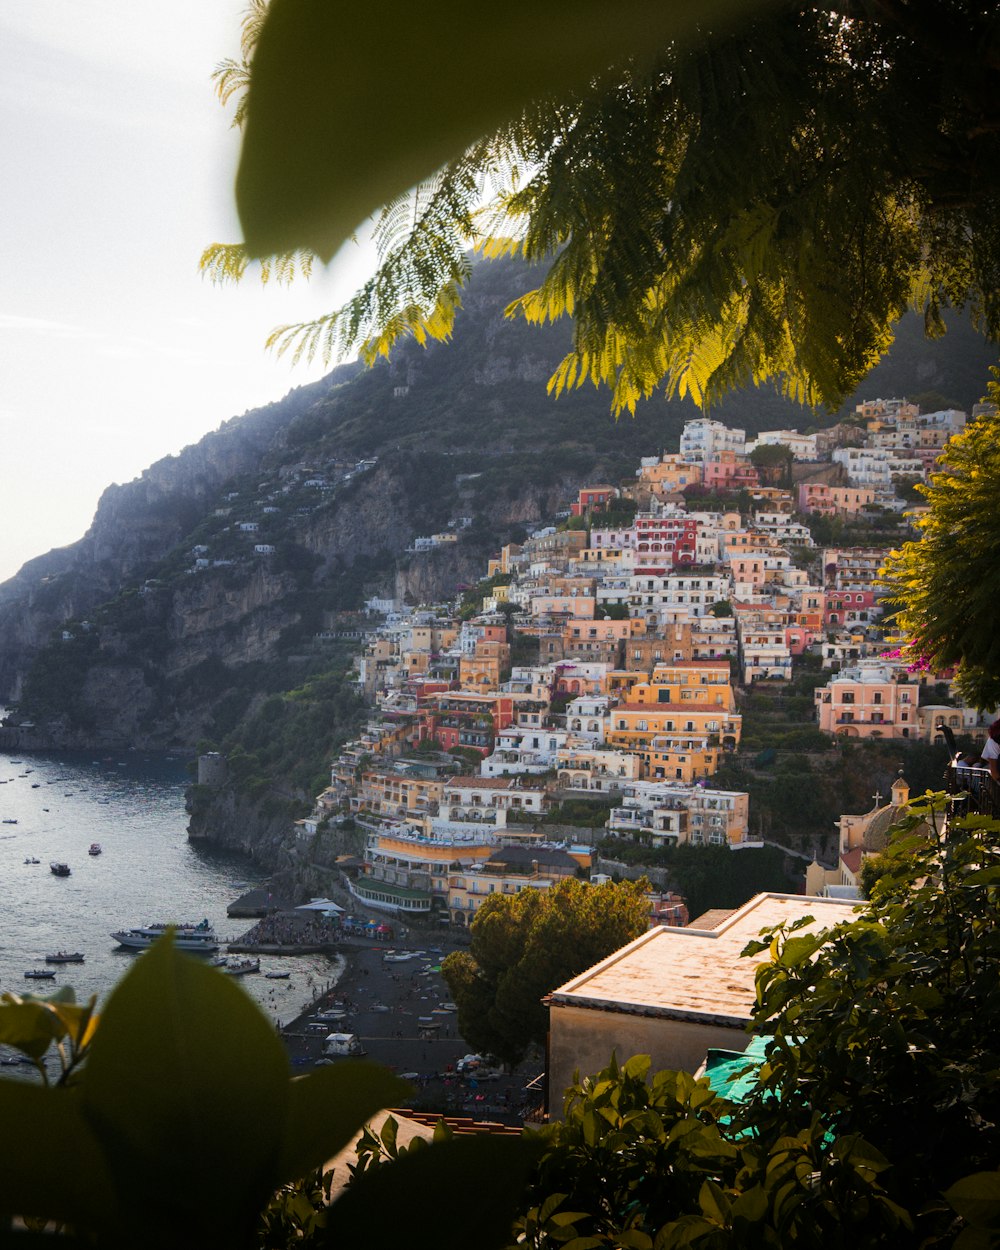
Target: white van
{"x": 343, "y": 1044}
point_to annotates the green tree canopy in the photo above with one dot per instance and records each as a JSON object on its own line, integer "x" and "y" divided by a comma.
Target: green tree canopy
{"x": 526, "y": 945}
{"x": 762, "y": 200}
{"x": 945, "y": 587}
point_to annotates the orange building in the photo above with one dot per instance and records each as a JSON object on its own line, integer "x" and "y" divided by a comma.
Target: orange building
{"x": 679, "y": 721}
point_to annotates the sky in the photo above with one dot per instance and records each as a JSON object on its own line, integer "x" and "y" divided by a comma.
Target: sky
{"x": 118, "y": 163}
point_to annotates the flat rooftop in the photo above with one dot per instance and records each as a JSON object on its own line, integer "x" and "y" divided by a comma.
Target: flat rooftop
{"x": 693, "y": 973}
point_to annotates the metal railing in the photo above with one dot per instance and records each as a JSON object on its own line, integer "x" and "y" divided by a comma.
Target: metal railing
{"x": 973, "y": 789}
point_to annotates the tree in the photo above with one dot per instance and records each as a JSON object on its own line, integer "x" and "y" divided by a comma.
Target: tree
{"x": 760, "y": 200}
{"x": 945, "y": 587}
{"x": 774, "y": 462}
{"x": 872, "y": 1120}
{"x": 524, "y": 946}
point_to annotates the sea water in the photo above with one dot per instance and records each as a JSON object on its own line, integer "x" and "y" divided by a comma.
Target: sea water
{"x": 53, "y": 806}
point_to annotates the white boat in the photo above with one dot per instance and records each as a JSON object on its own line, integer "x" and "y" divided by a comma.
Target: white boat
{"x": 391, "y": 957}
{"x": 277, "y": 976}
{"x": 187, "y": 937}
{"x": 242, "y": 966}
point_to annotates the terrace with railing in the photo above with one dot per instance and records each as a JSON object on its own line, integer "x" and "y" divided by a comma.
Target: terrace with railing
{"x": 973, "y": 790}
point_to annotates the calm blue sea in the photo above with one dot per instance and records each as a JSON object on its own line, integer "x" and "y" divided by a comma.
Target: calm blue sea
{"x": 133, "y": 805}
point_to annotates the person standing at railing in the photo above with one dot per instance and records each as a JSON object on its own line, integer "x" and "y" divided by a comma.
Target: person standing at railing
{"x": 991, "y": 751}
{"x": 989, "y": 757}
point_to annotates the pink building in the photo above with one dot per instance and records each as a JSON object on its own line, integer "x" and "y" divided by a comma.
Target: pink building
{"x": 872, "y": 700}
{"x": 849, "y": 607}
{"x": 728, "y": 470}
{"x": 826, "y": 500}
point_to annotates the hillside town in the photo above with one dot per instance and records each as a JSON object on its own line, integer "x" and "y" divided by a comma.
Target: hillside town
{"x": 604, "y": 657}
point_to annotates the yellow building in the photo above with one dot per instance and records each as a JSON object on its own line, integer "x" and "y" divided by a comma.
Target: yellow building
{"x": 482, "y": 670}
{"x": 396, "y": 794}
{"x": 679, "y": 720}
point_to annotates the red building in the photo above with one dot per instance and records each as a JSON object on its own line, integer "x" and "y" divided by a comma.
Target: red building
{"x": 662, "y": 540}
{"x": 593, "y": 499}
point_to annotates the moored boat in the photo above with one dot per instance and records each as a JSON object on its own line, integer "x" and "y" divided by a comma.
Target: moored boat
{"x": 199, "y": 938}
{"x": 277, "y": 976}
{"x": 242, "y": 966}
{"x": 65, "y": 957}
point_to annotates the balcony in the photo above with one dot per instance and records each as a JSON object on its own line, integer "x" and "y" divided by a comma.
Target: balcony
{"x": 973, "y": 791}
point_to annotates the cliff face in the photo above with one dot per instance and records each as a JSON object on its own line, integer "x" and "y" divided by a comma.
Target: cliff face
{"x": 202, "y": 587}
{"x": 236, "y": 823}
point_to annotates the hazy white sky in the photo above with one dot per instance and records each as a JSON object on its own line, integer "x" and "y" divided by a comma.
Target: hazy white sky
{"x": 117, "y": 165}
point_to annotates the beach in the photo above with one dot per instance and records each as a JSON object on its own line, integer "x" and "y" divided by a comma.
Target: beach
{"x": 394, "y": 999}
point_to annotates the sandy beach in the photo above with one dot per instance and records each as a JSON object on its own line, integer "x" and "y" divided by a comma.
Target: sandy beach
{"x": 397, "y": 1009}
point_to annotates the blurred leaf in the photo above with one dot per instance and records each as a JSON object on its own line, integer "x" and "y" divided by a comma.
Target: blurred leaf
{"x": 50, "y": 1163}
{"x": 328, "y": 1108}
{"x": 187, "y": 1088}
{"x": 30, "y": 1026}
{"x": 345, "y": 111}
{"x": 477, "y": 1182}
{"x": 977, "y": 1199}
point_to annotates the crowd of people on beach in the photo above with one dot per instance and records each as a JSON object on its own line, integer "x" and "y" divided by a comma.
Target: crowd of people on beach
{"x": 290, "y": 929}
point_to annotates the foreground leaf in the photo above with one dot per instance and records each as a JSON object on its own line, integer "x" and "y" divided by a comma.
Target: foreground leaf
{"x": 328, "y": 1108}
{"x": 432, "y": 1198}
{"x": 50, "y": 1163}
{"x": 345, "y": 112}
{"x": 186, "y": 1089}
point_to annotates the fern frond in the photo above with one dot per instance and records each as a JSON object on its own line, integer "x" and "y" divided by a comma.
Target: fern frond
{"x": 228, "y": 262}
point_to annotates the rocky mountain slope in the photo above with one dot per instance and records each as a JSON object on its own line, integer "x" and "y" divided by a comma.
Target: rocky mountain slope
{"x": 222, "y": 575}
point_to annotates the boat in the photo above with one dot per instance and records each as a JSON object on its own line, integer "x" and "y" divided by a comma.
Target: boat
{"x": 390, "y": 957}
{"x": 65, "y": 957}
{"x": 277, "y": 976}
{"x": 187, "y": 937}
{"x": 8, "y": 820}
{"x": 242, "y": 966}
{"x": 32, "y": 859}
{"x": 60, "y": 870}
{"x": 94, "y": 849}
{"x": 40, "y": 974}
{"x": 219, "y": 961}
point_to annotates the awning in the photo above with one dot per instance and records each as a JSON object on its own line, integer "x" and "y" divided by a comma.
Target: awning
{"x": 320, "y": 904}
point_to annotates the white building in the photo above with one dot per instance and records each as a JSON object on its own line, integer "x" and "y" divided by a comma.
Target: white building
{"x": 702, "y": 438}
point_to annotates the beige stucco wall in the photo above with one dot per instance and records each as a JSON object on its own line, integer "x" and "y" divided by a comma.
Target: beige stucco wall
{"x": 585, "y": 1040}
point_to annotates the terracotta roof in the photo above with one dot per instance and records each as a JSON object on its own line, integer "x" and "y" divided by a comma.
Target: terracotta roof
{"x": 852, "y": 859}
{"x": 710, "y": 919}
